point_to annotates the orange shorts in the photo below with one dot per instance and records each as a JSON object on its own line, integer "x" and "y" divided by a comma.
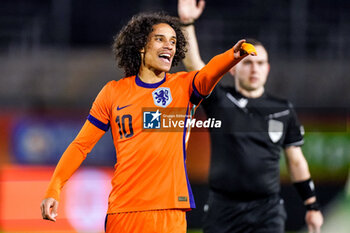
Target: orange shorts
{"x": 153, "y": 221}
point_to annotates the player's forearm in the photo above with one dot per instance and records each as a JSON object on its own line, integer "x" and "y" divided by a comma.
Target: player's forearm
{"x": 68, "y": 164}
{"x": 210, "y": 74}
{"x": 193, "y": 60}
{"x": 73, "y": 157}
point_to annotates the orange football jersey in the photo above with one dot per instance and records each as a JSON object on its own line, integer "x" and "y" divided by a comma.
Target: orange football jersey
{"x": 150, "y": 172}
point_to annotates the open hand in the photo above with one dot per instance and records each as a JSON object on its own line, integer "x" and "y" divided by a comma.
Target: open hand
{"x": 189, "y": 10}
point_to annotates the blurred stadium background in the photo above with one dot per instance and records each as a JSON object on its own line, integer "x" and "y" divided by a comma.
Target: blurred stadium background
{"x": 55, "y": 56}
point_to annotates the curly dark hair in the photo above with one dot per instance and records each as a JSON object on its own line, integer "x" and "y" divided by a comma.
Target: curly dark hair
{"x": 133, "y": 37}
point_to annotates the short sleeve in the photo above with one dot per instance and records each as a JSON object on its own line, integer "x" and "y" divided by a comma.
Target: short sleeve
{"x": 100, "y": 111}
{"x": 295, "y": 131}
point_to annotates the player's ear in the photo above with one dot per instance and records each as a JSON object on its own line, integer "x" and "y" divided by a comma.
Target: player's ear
{"x": 142, "y": 53}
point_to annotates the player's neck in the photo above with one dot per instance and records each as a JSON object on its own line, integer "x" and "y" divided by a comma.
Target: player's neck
{"x": 251, "y": 93}
{"x": 150, "y": 76}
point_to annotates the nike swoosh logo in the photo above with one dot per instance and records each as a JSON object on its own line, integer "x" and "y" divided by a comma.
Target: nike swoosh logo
{"x": 120, "y": 108}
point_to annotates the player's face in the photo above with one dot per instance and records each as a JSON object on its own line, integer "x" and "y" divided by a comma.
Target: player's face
{"x": 160, "y": 49}
{"x": 251, "y": 73}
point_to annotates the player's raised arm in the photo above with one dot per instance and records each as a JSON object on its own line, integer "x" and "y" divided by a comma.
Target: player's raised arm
{"x": 210, "y": 74}
{"x": 189, "y": 11}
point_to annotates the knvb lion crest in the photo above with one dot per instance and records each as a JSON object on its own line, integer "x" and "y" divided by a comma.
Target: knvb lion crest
{"x": 162, "y": 96}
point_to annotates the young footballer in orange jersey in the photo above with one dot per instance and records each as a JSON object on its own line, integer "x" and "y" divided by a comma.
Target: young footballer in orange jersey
{"x": 150, "y": 188}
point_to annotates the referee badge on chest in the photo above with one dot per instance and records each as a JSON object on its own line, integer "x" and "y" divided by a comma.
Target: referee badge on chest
{"x": 162, "y": 96}
{"x": 275, "y": 130}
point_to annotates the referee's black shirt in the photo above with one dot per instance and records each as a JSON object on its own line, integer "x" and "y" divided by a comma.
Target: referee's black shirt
{"x": 245, "y": 151}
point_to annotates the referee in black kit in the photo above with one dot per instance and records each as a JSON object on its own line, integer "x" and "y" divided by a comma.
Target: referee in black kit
{"x": 244, "y": 173}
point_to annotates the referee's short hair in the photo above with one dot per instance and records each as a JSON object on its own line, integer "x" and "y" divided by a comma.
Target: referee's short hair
{"x": 254, "y": 42}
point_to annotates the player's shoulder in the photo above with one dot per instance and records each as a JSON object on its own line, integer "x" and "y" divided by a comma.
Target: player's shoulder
{"x": 111, "y": 83}
{"x": 126, "y": 81}
{"x": 181, "y": 75}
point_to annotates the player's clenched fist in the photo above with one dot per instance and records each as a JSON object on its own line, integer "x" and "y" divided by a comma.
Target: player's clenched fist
{"x": 49, "y": 208}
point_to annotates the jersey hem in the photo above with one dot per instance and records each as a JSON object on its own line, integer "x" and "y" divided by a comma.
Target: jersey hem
{"x": 126, "y": 210}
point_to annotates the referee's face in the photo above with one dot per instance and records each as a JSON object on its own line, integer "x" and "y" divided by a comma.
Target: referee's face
{"x": 251, "y": 73}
